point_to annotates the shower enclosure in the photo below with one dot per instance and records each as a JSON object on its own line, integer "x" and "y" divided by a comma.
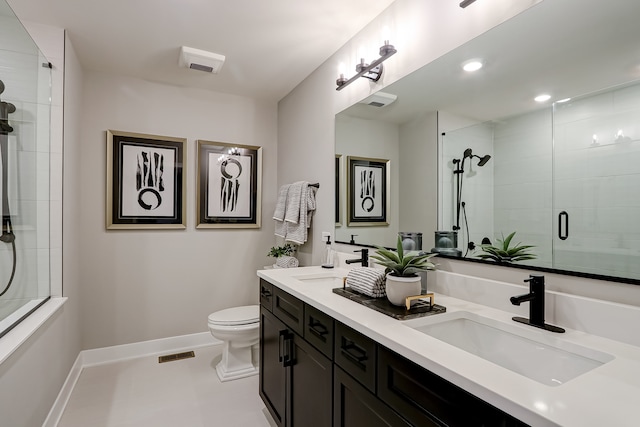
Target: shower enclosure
{"x": 25, "y": 106}
{"x": 566, "y": 178}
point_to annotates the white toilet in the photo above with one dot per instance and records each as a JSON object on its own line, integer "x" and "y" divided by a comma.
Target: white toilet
{"x": 239, "y": 328}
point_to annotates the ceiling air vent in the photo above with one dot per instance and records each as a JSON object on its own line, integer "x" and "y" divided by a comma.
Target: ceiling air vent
{"x": 379, "y": 99}
{"x": 201, "y": 60}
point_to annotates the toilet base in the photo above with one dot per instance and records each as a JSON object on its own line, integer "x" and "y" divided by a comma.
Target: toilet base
{"x": 236, "y": 374}
{"x": 236, "y": 363}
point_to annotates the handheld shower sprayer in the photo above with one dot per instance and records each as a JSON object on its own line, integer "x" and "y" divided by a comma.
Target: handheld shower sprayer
{"x": 7, "y": 235}
{"x": 459, "y": 174}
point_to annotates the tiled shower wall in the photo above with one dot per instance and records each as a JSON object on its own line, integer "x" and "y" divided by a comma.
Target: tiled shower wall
{"x": 523, "y": 182}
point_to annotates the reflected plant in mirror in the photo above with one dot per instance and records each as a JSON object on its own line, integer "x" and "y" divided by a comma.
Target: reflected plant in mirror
{"x": 506, "y": 253}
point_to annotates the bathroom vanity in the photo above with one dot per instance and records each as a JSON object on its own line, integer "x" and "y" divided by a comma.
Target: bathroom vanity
{"x": 329, "y": 361}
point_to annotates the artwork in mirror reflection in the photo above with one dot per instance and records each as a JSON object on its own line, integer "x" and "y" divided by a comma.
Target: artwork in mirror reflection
{"x": 500, "y": 177}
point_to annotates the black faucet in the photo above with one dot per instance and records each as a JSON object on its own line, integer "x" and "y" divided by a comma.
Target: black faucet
{"x": 364, "y": 259}
{"x": 536, "y": 304}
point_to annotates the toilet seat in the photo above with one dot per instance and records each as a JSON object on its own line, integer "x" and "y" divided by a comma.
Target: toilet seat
{"x": 236, "y": 316}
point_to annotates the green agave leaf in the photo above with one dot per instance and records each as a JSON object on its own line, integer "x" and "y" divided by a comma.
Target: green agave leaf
{"x": 507, "y": 241}
{"x": 400, "y": 248}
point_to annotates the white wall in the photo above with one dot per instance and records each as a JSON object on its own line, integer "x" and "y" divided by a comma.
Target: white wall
{"x": 419, "y": 159}
{"x": 143, "y": 284}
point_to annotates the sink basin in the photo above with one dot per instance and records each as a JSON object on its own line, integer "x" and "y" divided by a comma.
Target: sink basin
{"x": 548, "y": 360}
{"x": 328, "y": 278}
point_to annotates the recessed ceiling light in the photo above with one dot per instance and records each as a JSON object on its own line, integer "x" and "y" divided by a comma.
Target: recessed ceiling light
{"x": 542, "y": 98}
{"x": 563, "y": 100}
{"x": 473, "y": 65}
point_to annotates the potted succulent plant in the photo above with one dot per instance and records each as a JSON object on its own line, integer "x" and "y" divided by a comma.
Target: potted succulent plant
{"x": 504, "y": 253}
{"x": 284, "y": 256}
{"x": 402, "y": 272}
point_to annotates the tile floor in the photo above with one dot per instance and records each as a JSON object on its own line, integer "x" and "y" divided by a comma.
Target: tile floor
{"x": 142, "y": 392}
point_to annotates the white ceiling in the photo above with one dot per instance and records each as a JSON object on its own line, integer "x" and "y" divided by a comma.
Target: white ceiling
{"x": 270, "y": 46}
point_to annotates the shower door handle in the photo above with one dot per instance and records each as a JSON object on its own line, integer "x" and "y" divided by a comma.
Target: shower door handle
{"x": 563, "y": 218}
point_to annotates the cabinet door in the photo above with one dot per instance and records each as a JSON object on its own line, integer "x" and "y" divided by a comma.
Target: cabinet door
{"x": 355, "y": 406}
{"x": 311, "y": 393}
{"x": 273, "y": 374}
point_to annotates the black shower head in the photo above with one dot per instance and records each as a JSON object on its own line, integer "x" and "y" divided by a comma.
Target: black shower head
{"x": 483, "y": 160}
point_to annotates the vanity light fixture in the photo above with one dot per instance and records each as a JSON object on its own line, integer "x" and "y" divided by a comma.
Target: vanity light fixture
{"x": 472, "y": 65}
{"x": 542, "y": 98}
{"x": 371, "y": 71}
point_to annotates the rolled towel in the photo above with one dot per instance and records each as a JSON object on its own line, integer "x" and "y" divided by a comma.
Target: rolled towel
{"x": 368, "y": 281}
{"x": 286, "y": 262}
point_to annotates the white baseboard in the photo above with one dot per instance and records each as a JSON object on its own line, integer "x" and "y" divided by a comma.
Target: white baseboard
{"x": 117, "y": 353}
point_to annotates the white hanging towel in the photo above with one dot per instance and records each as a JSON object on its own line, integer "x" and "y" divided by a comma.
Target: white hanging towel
{"x": 299, "y": 201}
{"x": 280, "y": 210}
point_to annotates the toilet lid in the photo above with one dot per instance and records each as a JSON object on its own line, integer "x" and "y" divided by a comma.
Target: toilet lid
{"x": 236, "y": 315}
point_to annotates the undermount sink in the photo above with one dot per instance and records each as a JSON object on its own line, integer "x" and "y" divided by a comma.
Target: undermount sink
{"x": 328, "y": 278}
{"x": 551, "y": 361}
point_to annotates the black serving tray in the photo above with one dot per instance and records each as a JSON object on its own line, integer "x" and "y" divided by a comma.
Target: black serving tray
{"x": 419, "y": 308}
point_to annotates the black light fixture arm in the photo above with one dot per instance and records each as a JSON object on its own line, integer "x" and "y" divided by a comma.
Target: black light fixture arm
{"x": 371, "y": 71}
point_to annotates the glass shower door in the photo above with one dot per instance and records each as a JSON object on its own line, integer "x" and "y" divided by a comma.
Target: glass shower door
{"x": 25, "y": 98}
{"x": 597, "y": 183}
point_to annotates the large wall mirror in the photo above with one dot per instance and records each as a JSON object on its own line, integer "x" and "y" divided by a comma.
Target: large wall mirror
{"x": 474, "y": 153}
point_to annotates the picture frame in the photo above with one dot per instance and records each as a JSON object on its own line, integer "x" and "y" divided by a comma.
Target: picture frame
{"x": 229, "y": 185}
{"x": 146, "y": 184}
{"x": 368, "y": 183}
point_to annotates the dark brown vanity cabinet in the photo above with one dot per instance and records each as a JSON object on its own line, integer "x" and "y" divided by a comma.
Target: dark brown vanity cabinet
{"x": 315, "y": 371}
{"x": 295, "y": 378}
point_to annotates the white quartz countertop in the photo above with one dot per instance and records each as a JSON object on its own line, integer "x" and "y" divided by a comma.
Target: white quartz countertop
{"x": 608, "y": 395}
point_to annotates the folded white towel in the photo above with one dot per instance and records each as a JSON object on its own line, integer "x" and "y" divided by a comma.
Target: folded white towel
{"x": 368, "y": 281}
{"x": 295, "y": 198}
{"x": 281, "y": 203}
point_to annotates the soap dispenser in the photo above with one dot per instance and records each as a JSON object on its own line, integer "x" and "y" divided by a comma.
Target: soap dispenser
{"x": 327, "y": 260}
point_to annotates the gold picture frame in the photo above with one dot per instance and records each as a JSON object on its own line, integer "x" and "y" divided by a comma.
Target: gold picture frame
{"x": 229, "y": 185}
{"x": 146, "y": 181}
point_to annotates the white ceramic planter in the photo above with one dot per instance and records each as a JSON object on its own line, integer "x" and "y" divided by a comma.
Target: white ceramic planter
{"x": 399, "y": 288}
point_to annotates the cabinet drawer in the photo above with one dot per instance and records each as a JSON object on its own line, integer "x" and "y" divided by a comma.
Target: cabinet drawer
{"x": 318, "y": 330}
{"x": 266, "y": 294}
{"x": 424, "y": 398}
{"x": 356, "y": 354}
{"x": 355, "y": 406}
{"x": 289, "y": 309}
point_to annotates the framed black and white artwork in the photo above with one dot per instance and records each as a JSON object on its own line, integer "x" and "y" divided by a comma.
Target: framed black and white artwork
{"x": 367, "y": 191}
{"x": 229, "y": 185}
{"x": 146, "y": 186}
